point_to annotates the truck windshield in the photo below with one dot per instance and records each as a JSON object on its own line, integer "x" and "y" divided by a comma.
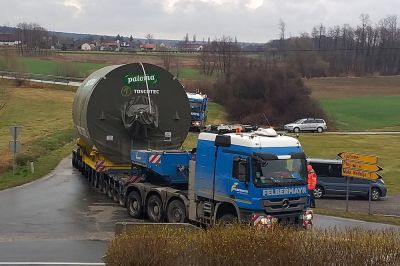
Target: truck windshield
{"x": 279, "y": 172}
{"x": 195, "y": 107}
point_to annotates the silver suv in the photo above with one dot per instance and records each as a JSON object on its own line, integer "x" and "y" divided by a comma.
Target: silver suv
{"x": 307, "y": 124}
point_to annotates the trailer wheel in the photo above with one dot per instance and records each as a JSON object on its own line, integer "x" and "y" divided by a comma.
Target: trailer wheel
{"x": 96, "y": 180}
{"x": 115, "y": 195}
{"x": 154, "y": 208}
{"x": 176, "y": 212}
{"x": 134, "y": 205}
{"x": 121, "y": 200}
{"x": 106, "y": 186}
{"x": 73, "y": 160}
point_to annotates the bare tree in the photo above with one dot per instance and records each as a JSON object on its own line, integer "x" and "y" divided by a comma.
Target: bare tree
{"x": 282, "y": 29}
{"x": 149, "y": 37}
{"x": 32, "y": 38}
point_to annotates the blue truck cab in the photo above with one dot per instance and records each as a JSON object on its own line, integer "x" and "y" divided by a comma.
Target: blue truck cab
{"x": 198, "y": 110}
{"x": 259, "y": 177}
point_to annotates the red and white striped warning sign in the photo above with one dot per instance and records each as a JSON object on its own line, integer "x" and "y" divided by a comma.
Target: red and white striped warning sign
{"x": 155, "y": 158}
{"x": 100, "y": 166}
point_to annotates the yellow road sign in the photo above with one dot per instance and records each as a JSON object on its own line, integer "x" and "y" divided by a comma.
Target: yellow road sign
{"x": 360, "y": 174}
{"x": 361, "y": 166}
{"x": 350, "y": 156}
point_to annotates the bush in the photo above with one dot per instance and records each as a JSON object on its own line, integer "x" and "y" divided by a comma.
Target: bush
{"x": 24, "y": 158}
{"x": 243, "y": 245}
{"x": 254, "y": 92}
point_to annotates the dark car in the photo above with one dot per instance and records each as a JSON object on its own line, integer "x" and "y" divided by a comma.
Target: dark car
{"x": 331, "y": 182}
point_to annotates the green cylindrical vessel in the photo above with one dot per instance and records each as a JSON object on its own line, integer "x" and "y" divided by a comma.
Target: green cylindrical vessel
{"x": 134, "y": 106}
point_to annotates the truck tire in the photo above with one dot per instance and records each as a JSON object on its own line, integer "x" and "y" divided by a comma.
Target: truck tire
{"x": 228, "y": 219}
{"x": 176, "y": 212}
{"x": 154, "y": 209}
{"x": 134, "y": 205}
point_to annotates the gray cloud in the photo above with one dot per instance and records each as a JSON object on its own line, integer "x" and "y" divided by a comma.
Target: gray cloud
{"x": 249, "y": 20}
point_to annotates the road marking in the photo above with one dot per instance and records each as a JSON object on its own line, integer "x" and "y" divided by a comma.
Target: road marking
{"x": 54, "y": 263}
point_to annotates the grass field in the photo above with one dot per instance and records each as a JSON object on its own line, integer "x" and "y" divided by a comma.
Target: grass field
{"x": 344, "y": 87}
{"x": 368, "y": 103}
{"x": 45, "y": 118}
{"x": 51, "y": 67}
{"x": 364, "y": 113}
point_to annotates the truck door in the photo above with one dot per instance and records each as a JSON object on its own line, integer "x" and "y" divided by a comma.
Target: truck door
{"x": 240, "y": 181}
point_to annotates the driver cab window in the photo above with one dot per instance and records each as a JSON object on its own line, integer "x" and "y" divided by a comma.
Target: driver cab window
{"x": 240, "y": 169}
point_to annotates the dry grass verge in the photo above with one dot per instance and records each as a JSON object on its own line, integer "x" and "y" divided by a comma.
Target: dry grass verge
{"x": 243, "y": 245}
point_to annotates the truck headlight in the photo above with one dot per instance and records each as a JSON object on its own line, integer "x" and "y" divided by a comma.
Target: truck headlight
{"x": 197, "y": 123}
{"x": 308, "y": 215}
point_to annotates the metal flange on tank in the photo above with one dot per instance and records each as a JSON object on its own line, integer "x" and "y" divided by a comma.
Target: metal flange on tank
{"x": 134, "y": 106}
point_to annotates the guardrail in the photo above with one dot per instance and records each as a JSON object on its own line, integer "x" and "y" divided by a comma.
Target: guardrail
{"x": 40, "y": 77}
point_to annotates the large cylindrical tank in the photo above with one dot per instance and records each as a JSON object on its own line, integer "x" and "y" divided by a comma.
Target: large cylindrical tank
{"x": 135, "y": 106}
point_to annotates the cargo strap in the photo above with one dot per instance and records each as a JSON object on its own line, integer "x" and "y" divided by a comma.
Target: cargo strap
{"x": 147, "y": 85}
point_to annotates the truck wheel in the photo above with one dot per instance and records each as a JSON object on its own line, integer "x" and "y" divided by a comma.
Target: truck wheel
{"x": 154, "y": 208}
{"x": 134, "y": 205}
{"x": 227, "y": 219}
{"x": 176, "y": 212}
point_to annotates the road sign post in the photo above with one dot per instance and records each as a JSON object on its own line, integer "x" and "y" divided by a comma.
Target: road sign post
{"x": 359, "y": 166}
{"x": 14, "y": 145}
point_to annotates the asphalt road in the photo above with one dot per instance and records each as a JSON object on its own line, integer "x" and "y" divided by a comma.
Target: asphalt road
{"x": 59, "y": 218}
{"x": 389, "y": 205}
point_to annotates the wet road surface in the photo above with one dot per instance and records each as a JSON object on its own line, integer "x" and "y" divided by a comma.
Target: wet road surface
{"x": 57, "y": 218}
{"x": 60, "y": 218}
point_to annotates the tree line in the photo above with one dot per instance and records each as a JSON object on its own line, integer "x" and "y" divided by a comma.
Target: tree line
{"x": 364, "y": 49}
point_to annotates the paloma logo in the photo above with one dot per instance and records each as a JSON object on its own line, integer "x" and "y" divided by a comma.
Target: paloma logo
{"x": 131, "y": 79}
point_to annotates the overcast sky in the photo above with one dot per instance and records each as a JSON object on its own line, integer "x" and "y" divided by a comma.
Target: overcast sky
{"x": 249, "y": 20}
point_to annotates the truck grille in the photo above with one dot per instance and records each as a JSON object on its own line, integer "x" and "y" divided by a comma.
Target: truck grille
{"x": 276, "y": 206}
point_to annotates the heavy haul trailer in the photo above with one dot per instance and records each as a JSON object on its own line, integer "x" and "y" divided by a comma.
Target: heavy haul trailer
{"x": 131, "y": 121}
{"x": 123, "y": 107}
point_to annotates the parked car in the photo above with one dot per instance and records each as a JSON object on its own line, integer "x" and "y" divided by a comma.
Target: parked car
{"x": 331, "y": 182}
{"x": 307, "y": 124}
